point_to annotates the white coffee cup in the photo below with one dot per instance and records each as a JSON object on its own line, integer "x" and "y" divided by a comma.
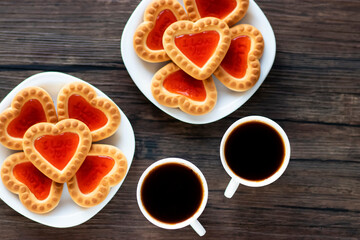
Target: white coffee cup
{"x": 237, "y": 180}
{"x": 192, "y": 221}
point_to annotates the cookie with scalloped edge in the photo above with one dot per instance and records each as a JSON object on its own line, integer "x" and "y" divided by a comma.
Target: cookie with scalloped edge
{"x": 104, "y": 167}
{"x": 172, "y": 87}
{"x": 57, "y": 150}
{"x": 158, "y": 15}
{"x": 230, "y": 11}
{"x": 29, "y": 106}
{"x": 197, "y": 48}
{"x": 79, "y": 101}
{"x": 37, "y": 193}
{"x": 240, "y": 69}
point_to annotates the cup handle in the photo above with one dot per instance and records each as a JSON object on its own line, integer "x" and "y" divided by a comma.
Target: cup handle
{"x": 231, "y": 188}
{"x": 198, "y": 228}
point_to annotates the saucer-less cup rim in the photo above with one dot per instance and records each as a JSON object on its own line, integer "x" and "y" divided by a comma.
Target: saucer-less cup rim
{"x": 190, "y": 221}
{"x": 237, "y": 179}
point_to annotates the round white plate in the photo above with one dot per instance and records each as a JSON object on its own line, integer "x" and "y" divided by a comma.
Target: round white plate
{"x": 228, "y": 101}
{"x": 67, "y": 213}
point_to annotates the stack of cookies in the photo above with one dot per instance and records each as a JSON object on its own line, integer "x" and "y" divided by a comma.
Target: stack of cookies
{"x": 57, "y": 148}
{"x": 200, "y": 42}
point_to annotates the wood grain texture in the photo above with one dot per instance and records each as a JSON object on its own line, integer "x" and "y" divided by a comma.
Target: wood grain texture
{"x": 312, "y": 91}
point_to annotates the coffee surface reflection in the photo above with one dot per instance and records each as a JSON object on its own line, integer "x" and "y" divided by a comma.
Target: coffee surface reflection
{"x": 254, "y": 151}
{"x": 172, "y": 193}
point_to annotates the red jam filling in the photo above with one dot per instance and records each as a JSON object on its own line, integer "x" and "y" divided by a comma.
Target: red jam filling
{"x": 81, "y": 109}
{"x": 93, "y": 169}
{"x": 235, "y": 61}
{"x": 182, "y": 83}
{"x": 32, "y": 112}
{"x": 215, "y": 8}
{"x": 163, "y": 20}
{"x": 35, "y": 180}
{"x": 57, "y": 149}
{"x": 198, "y": 47}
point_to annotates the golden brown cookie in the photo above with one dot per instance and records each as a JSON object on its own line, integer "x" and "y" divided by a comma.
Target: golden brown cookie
{"x": 240, "y": 69}
{"x": 197, "y": 48}
{"x": 31, "y": 105}
{"x": 172, "y": 87}
{"x": 37, "y": 192}
{"x": 148, "y": 36}
{"x": 79, "y": 101}
{"x": 105, "y": 166}
{"x": 230, "y": 11}
{"x": 57, "y": 150}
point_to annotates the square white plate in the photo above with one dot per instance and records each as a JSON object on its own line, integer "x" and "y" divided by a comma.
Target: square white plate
{"x": 67, "y": 213}
{"x": 228, "y": 101}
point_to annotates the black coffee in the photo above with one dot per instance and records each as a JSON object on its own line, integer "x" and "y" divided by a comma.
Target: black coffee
{"x": 254, "y": 151}
{"x": 172, "y": 193}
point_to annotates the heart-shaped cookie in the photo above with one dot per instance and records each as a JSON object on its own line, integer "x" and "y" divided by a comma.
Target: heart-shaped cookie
{"x": 240, "y": 69}
{"x": 230, "y": 11}
{"x": 148, "y": 36}
{"x": 37, "y": 192}
{"x": 79, "y": 101}
{"x": 172, "y": 87}
{"x": 57, "y": 150}
{"x": 104, "y": 167}
{"x": 197, "y": 48}
{"x": 30, "y": 106}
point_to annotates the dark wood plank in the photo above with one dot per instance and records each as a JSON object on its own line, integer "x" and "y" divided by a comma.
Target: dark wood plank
{"x": 312, "y": 91}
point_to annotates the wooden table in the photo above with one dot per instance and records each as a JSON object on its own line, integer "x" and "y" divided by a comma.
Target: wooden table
{"x": 312, "y": 91}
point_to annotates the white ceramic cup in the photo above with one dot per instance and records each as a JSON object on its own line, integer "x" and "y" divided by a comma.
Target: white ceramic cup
{"x": 192, "y": 221}
{"x": 235, "y": 179}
